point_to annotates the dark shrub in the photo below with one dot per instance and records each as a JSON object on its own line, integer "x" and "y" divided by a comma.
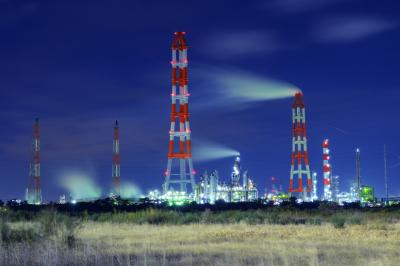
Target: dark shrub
{"x": 338, "y": 221}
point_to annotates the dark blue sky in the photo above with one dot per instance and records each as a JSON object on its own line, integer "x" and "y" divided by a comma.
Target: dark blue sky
{"x": 79, "y": 66}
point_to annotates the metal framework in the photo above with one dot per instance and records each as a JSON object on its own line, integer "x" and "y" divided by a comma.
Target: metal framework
{"x": 116, "y": 168}
{"x": 180, "y": 115}
{"x": 299, "y": 147}
{"x": 34, "y": 190}
{"x": 235, "y": 175}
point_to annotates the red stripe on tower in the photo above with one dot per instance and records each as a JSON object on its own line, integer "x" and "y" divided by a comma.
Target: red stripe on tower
{"x": 116, "y": 169}
{"x": 326, "y": 167}
{"x": 300, "y": 164}
{"x": 34, "y": 190}
{"x": 180, "y": 116}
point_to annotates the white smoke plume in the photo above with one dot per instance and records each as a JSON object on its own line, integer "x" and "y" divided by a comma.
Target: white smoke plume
{"x": 207, "y": 151}
{"x": 130, "y": 190}
{"x": 237, "y": 88}
{"x": 80, "y": 186}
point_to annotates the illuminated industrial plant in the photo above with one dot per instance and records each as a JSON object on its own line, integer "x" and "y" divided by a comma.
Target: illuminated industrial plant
{"x": 211, "y": 188}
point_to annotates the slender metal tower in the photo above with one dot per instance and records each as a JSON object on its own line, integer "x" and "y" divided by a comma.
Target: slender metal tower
{"x": 326, "y": 170}
{"x": 116, "y": 168}
{"x": 386, "y": 178}
{"x": 180, "y": 98}
{"x": 358, "y": 171}
{"x": 34, "y": 190}
{"x": 274, "y": 191}
{"x": 299, "y": 148}
{"x": 213, "y": 186}
{"x": 246, "y": 182}
{"x": 314, "y": 189}
{"x": 335, "y": 182}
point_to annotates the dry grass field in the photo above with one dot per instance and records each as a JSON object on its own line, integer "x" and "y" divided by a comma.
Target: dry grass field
{"x": 217, "y": 244}
{"x": 127, "y": 239}
{"x": 238, "y": 244}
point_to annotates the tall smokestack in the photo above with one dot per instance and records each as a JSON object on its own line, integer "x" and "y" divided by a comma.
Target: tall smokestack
{"x": 116, "y": 169}
{"x": 34, "y": 190}
{"x": 314, "y": 189}
{"x": 326, "y": 170}
{"x": 385, "y": 173}
{"x": 299, "y": 166}
{"x": 358, "y": 170}
{"x": 180, "y": 98}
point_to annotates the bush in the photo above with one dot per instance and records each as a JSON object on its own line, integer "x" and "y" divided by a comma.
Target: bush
{"x": 338, "y": 221}
{"x": 314, "y": 221}
{"x": 355, "y": 220}
{"x": 22, "y": 232}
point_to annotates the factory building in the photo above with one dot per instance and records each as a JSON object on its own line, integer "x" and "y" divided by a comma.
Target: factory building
{"x": 240, "y": 189}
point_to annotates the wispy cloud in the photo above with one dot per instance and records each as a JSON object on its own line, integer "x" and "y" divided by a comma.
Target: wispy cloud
{"x": 299, "y": 6}
{"x": 241, "y": 43}
{"x": 350, "y": 29}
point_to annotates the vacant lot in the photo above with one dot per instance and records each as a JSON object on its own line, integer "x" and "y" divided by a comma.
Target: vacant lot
{"x": 242, "y": 243}
{"x": 54, "y": 239}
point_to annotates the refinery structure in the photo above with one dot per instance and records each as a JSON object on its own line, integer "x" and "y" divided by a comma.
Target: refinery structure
{"x": 240, "y": 189}
{"x": 180, "y": 183}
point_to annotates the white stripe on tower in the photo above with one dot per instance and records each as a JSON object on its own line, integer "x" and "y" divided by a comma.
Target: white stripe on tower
{"x": 116, "y": 170}
{"x": 326, "y": 170}
{"x": 179, "y": 65}
{"x": 299, "y": 147}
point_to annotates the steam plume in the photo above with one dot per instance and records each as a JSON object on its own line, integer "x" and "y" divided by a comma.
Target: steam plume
{"x": 80, "y": 186}
{"x": 238, "y": 88}
{"x": 207, "y": 151}
{"x": 129, "y": 190}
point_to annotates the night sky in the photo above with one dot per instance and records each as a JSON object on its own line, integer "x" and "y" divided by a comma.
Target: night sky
{"x": 79, "y": 65}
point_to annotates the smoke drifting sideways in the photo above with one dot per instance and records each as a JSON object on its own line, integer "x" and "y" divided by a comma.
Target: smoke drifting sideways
{"x": 207, "y": 151}
{"x": 80, "y": 186}
{"x": 237, "y": 88}
{"x": 130, "y": 191}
